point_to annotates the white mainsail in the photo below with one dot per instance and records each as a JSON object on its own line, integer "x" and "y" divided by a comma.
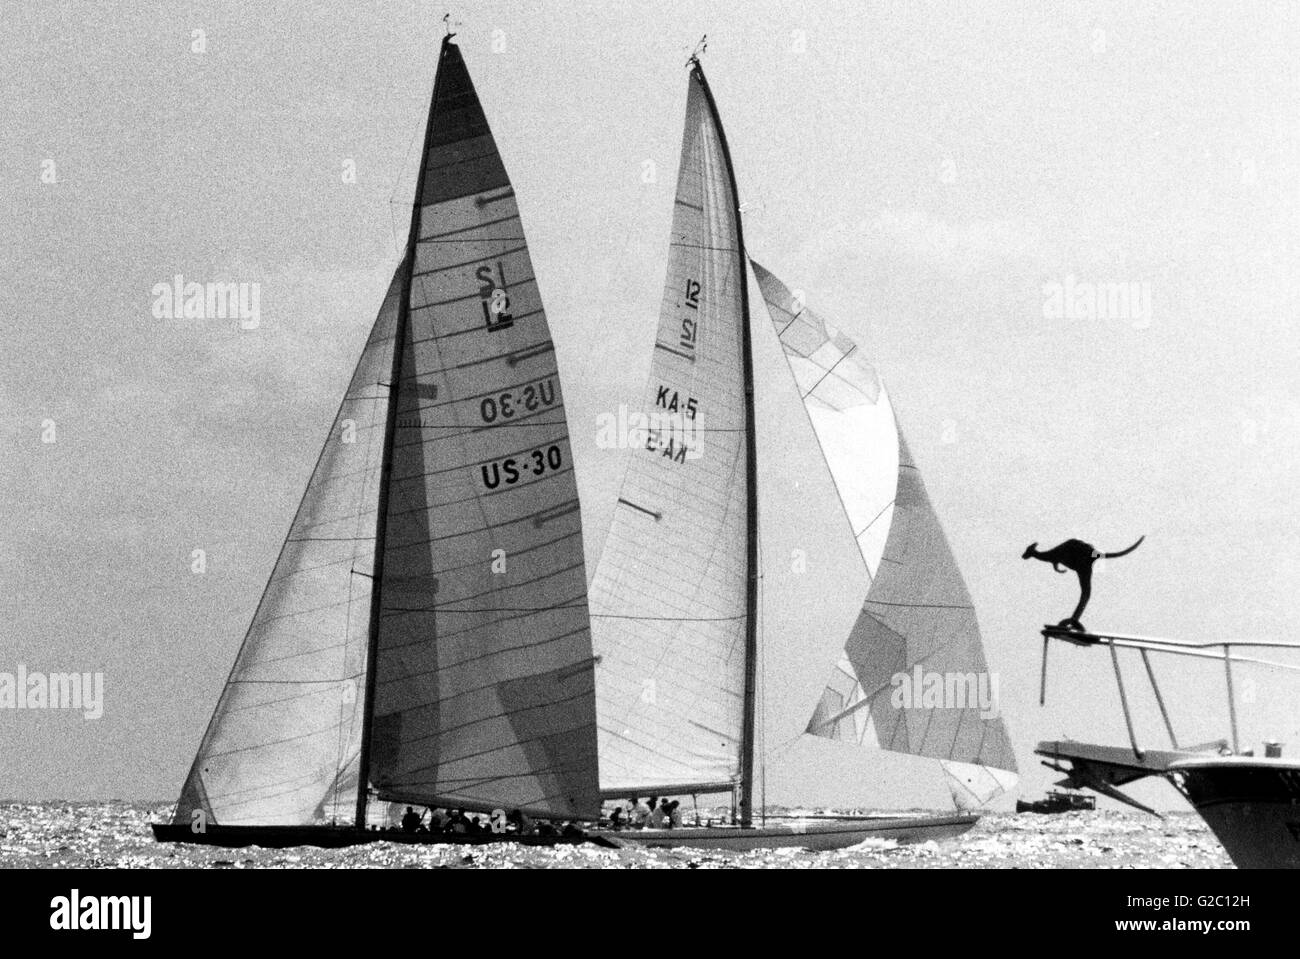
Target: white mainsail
{"x": 484, "y": 688}
{"x": 480, "y": 690}
{"x": 282, "y": 745}
{"x": 914, "y": 678}
{"x": 669, "y": 599}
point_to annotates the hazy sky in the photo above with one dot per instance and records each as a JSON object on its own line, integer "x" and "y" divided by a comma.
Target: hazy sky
{"x": 924, "y": 172}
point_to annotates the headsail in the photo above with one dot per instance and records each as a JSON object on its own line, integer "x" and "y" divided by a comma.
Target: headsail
{"x": 282, "y": 745}
{"x": 484, "y": 682}
{"x": 671, "y": 597}
{"x": 914, "y": 671}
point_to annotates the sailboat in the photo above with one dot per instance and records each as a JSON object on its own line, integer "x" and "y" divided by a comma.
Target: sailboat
{"x": 424, "y": 636}
{"x": 675, "y": 594}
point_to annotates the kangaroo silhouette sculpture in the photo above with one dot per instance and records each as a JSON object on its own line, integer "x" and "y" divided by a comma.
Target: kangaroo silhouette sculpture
{"x": 1079, "y": 556}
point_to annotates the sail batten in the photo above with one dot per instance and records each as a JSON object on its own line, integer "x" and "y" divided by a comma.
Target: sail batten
{"x": 914, "y": 677}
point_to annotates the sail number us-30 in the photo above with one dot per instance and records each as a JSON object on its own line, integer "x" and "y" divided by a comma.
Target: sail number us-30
{"x": 506, "y": 405}
{"x": 511, "y": 469}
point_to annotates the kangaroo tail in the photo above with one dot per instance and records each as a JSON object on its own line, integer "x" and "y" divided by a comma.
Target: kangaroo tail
{"x": 1125, "y": 552}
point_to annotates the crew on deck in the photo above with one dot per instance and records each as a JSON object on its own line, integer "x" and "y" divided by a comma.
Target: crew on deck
{"x": 658, "y": 815}
{"x": 675, "y": 814}
{"x": 455, "y": 822}
{"x": 640, "y": 813}
{"x": 521, "y": 822}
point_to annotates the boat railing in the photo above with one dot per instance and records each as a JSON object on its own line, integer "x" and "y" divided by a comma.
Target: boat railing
{"x": 1220, "y": 650}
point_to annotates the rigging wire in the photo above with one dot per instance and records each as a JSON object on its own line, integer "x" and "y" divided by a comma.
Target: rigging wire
{"x": 392, "y": 197}
{"x": 699, "y": 50}
{"x": 762, "y": 679}
{"x": 363, "y": 497}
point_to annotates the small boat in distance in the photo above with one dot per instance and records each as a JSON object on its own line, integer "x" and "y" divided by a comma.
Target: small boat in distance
{"x": 675, "y": 595}
{"x": 1057, "y": 801}
{"x": 424, "y": 636}
{"x": 1251, "y": 803}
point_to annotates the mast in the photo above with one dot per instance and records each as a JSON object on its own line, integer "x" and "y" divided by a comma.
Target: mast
{"x": 747, "y": 739}
{"x": 390, "y": 426}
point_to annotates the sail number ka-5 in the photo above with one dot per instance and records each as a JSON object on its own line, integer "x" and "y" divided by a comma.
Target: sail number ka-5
{"x": 669, "y": 431}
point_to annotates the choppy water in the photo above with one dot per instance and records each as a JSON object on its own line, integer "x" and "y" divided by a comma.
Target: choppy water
{"x": 116, "y": 834}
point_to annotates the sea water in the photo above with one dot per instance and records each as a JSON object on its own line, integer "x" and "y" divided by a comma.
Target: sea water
{"x": 116, "y": 834}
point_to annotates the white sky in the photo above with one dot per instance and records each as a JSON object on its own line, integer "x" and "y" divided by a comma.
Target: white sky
{"x": 919, "y": 170}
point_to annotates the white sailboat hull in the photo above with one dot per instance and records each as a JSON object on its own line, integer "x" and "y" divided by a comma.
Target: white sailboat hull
{"x": 1251, "y": 804}
{"x": 816, "y": 834}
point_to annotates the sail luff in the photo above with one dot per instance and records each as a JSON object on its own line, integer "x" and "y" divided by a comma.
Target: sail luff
{"x": 747, "y": 748}
{"x": 386, "y": 470}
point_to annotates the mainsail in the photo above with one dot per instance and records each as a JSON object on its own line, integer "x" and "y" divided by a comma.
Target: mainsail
{"x": 484, "y": 691}
{"x": 425, "y": 630}
{"x": 672, "y": 599}
{"x": 914, "y": 678}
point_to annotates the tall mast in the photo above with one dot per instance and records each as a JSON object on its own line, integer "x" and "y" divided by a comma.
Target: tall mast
{"x": 390, "y": 426}
{"x": 751, "y": 480}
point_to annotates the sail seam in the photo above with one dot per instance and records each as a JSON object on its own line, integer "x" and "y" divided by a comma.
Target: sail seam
{"x": 478, "y": 259}
{"x": 518, "y": 317}
{"x": 491, "y": 359}
{"x": 471, "y": 629}
{"x": 671, "y": 619}
{"x": 446, "y": 731}
{"x": 510, "y": 388}
{"x": 470, "y": 296}
{"x": 438, "y": 539}
{"x": 433, "y": 237}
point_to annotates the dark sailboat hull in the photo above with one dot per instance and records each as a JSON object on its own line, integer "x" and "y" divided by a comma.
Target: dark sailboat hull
{"x": 338, "y": 837}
